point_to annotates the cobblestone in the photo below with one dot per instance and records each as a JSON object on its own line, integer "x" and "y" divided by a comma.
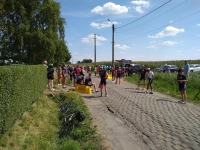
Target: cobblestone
{"x": 160, "y": 120}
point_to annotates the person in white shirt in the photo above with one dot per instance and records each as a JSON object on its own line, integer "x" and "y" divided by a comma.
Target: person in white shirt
{"x": 150, "y": 78}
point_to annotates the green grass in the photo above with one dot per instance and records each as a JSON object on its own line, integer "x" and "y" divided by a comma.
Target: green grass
{"x": 168, "y": 85}
{"x": 37, "y": 128}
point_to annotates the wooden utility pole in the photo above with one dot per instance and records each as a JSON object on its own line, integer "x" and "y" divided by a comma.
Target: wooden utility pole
{"x": 94, "y": 50}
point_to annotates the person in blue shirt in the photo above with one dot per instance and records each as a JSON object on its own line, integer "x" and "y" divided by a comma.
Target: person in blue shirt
{"x": 186, "y": 70}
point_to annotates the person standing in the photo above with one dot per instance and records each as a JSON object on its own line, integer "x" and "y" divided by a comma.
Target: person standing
{"x": 64, "y": 75}
{"x": 103, "y": 76}
{"x": 119, "y": 73}
{"x": 142, "y": 76}
{"x": 181, "y": 79}
{"x": 59, "y": 73}
{"x": 50, "y": 76}
{"x": 150, "y": 78}
{"x": 186, "y": 69}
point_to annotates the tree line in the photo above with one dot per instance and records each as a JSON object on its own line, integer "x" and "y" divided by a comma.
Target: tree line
{"x": 32, "y": 31}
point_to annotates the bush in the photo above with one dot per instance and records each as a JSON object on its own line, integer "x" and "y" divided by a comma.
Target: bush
{"x": 20, "y": 86}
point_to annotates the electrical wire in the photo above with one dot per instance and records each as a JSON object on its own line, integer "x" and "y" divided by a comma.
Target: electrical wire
{"x": 154, "y": 17}
{"x": 145, "y": 15}
{"x": 162, "y": 26}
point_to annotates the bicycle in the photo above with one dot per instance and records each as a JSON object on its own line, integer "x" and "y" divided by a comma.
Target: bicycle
{"x": 70, "y": 122}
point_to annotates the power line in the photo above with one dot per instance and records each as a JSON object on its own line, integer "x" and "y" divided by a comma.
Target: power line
{"x": 145, "y": 15}
{"x": 154, "y": 17}
{"x": 163, "y": 26}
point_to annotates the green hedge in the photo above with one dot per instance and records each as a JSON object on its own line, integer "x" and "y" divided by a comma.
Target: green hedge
{"x": 20, "y": 86}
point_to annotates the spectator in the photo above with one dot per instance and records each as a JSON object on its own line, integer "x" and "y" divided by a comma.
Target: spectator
{"x": 59, "y": 73}
{"x": 88, "y": 81}
{"x": 80, "y": 79}
{"x": 142, "y": 76}
{"x": 50, "y": 76}
{"x": 150, "y": 78}
{"x": 181, "y": 79}
{"x": 186, "y": 69}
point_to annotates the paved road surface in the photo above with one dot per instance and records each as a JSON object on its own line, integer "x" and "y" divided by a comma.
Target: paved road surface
{"x": 158, "y": 120}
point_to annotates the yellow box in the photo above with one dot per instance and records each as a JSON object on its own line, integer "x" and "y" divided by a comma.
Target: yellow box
{"x": 85, "y": 89}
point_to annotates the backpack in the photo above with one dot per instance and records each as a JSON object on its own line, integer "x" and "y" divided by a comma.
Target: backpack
{"x": 80, "y": 116}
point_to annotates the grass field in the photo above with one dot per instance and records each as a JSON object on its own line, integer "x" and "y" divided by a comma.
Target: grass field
{"x": 168, "y": 84}
{"x": 37, "y": 129}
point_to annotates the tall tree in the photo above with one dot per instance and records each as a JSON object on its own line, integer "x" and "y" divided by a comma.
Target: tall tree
{"x": 32, "y": 31}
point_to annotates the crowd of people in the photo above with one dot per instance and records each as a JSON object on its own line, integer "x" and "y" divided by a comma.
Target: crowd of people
{"x": 77, "y": 76}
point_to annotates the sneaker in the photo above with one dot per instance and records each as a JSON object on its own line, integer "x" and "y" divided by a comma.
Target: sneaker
{"x": 146, "y": 92}
{"x": 183, "y": 102}
{"x": 151, "y": 92}
{"x": 96, "y": 91}
{"x": 52, "y": 89}
{"x": 106, "y": 95}
{"x": 180, "y": 101}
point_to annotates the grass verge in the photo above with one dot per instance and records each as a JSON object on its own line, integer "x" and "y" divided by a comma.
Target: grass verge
{"x": 37, "y": 128}
{"x": 169, "y": 86}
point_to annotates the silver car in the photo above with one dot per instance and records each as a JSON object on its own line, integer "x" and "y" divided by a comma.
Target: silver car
{"x": 194, "y": 67}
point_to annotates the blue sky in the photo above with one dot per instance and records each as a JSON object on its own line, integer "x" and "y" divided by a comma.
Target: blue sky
{"x": 145, "y": 30}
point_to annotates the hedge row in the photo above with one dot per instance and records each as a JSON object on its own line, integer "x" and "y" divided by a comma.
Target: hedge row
{"x": 20, "y": 86}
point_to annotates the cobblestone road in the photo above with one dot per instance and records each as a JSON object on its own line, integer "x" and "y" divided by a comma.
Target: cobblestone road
{"x": 159, "y": 120}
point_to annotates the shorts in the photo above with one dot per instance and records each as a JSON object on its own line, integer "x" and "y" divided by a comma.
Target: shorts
{"x": 182, "y": 88}
{"x": 118, "y": 75}
{"x": 59, "y": 76}
{"x": 150, "y": 80}
{"x": 103, "y": 81}
{"x": 142, "y": 78}
{"x": 50, "y": 77}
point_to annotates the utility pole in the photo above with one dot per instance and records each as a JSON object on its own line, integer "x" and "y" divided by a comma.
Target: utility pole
{"x": 94, "y": 50}
{"x": 113, "y": 30}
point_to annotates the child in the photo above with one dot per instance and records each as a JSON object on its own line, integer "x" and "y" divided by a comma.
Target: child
{"x": 181, "y": 79}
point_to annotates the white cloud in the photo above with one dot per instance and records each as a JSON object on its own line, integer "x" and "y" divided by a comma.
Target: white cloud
{"x": 152, "y": 47}
{"x": 102, "y": 25}
{"x": 140, "y": 5}
{"x": 198, "y": 24}
{"x": 139, "y": 9}
{"x": 90, "y": 39}
{"x": 124, "y": 47}
{"x": 168, "y": 31}
{"x": 110, "y": 8}
{"x": 69, "y": 44}
{"x": 143, "y": 3}
{"x": 168, "y": 43}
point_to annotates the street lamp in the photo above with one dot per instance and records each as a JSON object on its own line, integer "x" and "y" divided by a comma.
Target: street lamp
{"x": 113, "y": 28}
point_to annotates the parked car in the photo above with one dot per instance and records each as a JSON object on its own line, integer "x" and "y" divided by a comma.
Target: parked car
{"x": 173, "y": 68}
{"x": 134, "y": 68}
{"x": 194, "y": 67}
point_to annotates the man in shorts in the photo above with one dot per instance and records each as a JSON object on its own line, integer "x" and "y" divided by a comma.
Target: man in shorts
{"x": 150, "y": 78}
{"x": 103, "y": 76}
{"x": 142, "y": 76}
{"x": 118, "y": 74}
{"x": 88, "y": 81}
